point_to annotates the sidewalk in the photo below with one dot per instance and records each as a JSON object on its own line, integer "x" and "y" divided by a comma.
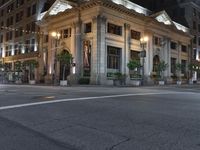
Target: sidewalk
{"x": 123, "y": 86}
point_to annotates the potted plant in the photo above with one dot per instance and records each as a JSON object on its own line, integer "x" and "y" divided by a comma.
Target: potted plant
{"x": 65, "y": 58}
{"x": 18, "y": 71}
{"x": 162, "y": 66}
{"x": 119, "y": 79}
{"x": 31, "y": 64}
{"x": 133, "y": 66}
{"x": 193, "y": 67}
{"x": 178, "y": 73}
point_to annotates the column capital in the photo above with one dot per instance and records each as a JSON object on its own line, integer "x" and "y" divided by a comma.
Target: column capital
{"x": 126, "y": 25}
{"x": 99, "y": 17}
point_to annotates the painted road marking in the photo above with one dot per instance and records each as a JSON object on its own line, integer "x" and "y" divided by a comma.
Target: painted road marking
{"x": 84, "y": 98}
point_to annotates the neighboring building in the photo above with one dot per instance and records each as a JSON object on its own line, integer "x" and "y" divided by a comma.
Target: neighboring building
{"x": 19, "y": 34}
{"x": 186, "y": 12}
{"x": 104, "y": 35}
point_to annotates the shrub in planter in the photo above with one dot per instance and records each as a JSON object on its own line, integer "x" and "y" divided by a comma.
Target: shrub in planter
{"x": 66, "y": 59}
{"x": 178, "y": 68}
{"x": 84, "y": 81}
{"x": 162, "y": 66}
{"x": 31, "y": 64}
{"x": 133, "y": 66}
{"x": 119, "y": 78}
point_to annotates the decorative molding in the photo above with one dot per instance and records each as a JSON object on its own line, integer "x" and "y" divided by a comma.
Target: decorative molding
{"x": 22, "y": 56}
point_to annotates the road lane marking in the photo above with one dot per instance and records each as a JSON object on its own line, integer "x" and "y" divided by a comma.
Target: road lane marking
{"x": 83, "y": 98}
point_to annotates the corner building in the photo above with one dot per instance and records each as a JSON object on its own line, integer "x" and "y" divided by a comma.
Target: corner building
{"x": 103, "y": 35}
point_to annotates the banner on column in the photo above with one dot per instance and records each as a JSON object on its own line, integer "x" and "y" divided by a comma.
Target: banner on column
{"x": 86, "y": 58}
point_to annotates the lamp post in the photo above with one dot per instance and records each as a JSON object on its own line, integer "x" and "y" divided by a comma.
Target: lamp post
{"x": 56, "y": 36}
{"x": 143, "y": 43}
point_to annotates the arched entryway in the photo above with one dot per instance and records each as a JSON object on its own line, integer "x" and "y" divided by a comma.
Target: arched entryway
{"x": 67, "y": 68}
{"x": 156, "y": 61}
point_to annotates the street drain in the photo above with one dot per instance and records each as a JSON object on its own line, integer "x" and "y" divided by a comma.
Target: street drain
{"x": 44, "y": 97}
{"x": 49, "y": 97}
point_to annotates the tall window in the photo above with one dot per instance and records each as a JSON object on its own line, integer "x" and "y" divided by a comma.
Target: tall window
{"x": 1, "y": 52}
{"x": 173, "y": 65}
{"x": 88, "y": 27}
{"x": 194, "y": 53}
{"x": 2, "y": 12}
{"x": 8, "y": 50}
{"x": 195, "y": 39}
{"x": 16, "y": 49}
{"x": 157, "y": 41}
{"x": 114, "y": 29}
{"x": 184, "y": 48}
{"x": 27, "y": 48}
{"x": 199, "y": 41}
{"x": 1, "y": 38}
{"x": 134, "y": 55}
{"x": 33, "y": 9}
{"x": 182, "y": 11}
{"x": 113, "y": 57}
{"x": 198, "y": 27}
{"x": 135, "y": 35}
{"x": 183, "y": 68}
{"x": 194, "y": 12}
{"x": 194, "y": 25}
{"x": 32, "y": 45}
{"x": 173, "y": 45}
{"x": 28, "y": 14}
{"x": 66, "y": 33}
{"x": 19, "y": 3}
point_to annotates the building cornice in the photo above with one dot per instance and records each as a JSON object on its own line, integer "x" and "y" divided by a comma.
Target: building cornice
{"x": 8, "y": 2}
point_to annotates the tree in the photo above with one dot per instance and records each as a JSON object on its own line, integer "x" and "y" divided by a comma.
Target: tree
{"x": 178, "y": 68}
{"x": 133, "y": 66}
{"x": 65, "y": 58}
{"x": 162, "y": 66}
{"x": 31, "y": 64}
{"x": 18, "y": 69}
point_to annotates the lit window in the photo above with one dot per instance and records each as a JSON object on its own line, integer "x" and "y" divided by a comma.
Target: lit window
{"x": 113, "y": 58}
{"x": 135, "y": 35}
{"x": 114, "y": 29}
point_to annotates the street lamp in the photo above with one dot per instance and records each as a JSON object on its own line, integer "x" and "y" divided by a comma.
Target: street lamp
{"x": 143, "y": 43}
{"x": 56, "y": 36}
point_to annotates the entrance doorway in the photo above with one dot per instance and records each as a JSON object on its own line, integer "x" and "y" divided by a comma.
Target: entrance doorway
{"x": 67, "y": 68}
{"x": 156, "y": 61}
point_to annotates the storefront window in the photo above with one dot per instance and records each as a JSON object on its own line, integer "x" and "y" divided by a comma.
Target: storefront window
{"x": 113, "y": 57}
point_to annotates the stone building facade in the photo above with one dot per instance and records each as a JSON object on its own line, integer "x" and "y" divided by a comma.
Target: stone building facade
{"x": 103, "y": 35}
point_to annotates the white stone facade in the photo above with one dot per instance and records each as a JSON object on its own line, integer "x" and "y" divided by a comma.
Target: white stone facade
{"x": 100, "y": 14}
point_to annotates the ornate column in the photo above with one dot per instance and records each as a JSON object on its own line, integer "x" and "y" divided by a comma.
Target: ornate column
{"x": 167, "y": 56}
{"x": 98, "y": 54}
{"x": 126, "y": 52}
{"x": 148, "y": 66}
{"x": 76, "y": 51}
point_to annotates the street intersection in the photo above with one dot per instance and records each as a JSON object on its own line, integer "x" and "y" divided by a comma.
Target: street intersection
{"x": 99, "y": 118}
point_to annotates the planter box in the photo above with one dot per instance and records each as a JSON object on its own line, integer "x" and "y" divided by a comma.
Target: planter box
{"x": 18, "y": 81}
{"x": 63, "y": 82}
{"x": 31, "y": 82}
{"x": 178, "y": 82}
{"x": 117, "y": 82}
{"x": 191, "y": 81}
{"x": 161, "y": 82}
{"x": 135, "y": 82}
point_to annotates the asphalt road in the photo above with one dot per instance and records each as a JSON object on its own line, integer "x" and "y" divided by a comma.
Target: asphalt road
{"x": 99, "y": 118}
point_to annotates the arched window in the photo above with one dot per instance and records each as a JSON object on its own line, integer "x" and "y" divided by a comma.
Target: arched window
{"x": 156, "y": 61}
